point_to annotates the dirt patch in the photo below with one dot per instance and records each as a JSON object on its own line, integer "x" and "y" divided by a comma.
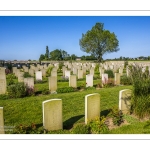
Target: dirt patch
{"x": 110, "y": 124}
{"x": 81, "y": 90}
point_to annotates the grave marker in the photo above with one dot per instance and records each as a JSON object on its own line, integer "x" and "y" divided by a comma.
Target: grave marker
{"x": 38, "y": 75}
{"x": 125, "y": 101}
{"x": 117, "y": 78}
{"x": 2, "y": 86}
{"x": 1, "y": 121}
{"x": 73, "y": 81}
{"x": 52, "y": 114}
{"x": 52, "y": 83}
{"x": 89, "y": 80}
{"x": 92, "y": 106}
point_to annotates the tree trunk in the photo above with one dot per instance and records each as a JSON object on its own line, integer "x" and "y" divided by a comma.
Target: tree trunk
{"x": 99, "y": 59}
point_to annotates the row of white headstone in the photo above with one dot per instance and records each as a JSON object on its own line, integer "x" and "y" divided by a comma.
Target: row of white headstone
{"x": 52, "y": 110}
{"x": 53, "y": 80}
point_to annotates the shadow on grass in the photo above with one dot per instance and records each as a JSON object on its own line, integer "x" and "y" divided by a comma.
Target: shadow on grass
{"x": 105, "y": 112}
{"x": 39, "y": 125}
{"x": 68, "y": 124}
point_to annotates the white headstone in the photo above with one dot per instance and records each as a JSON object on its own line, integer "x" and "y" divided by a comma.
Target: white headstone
{"x": 20, "y": 77}
{"x": 29, "y": 82}
{"x": 3, "y": 86}
{"x": 52, "y": 114}
{"x": 125, "y": 101}
{"x": 31, "y": 72}
{"x": 89, "y": 80}
{"x": 1, "y": 121}
{"x": 101, "y": 72}
{"x": 92, "y": 106}
{"x": 43, "y": 72}
{"x": 54, "y": 73}
{"x": 73, "y": 81}
{"x": 52, "y": 83}
{"x": 38, "y": 75}
{"x": 117, "y": 78}
{"x": 92, "y": 71}
{"x": 67, "y": 73}
{"x": 80, "y": 74}
{"x": 104, "y": 78}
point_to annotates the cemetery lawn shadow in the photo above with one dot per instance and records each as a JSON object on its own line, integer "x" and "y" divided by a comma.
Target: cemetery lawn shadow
{"x": 105, "y": 112}
{"x": 68, "y": 124}
{"x": 39, "y": 125}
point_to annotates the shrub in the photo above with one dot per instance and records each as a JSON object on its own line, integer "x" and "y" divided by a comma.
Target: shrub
{"x": 26, "y": 75}
{"x": 7, "y": 71}
{"x": 81, "y": 86}
{"x": 98, "y": 125}
{"x": 45, "y": 91}
{"x": 16, "y": 90}
{"x": 141, "y": 91}
{"x": 117, "y": 116}
{"x": 10, "y": 79}
{"x": 109, "y": 83}
{"x": 27, "y": 129}
{"x": 97, "y": 68}
{"x": 30, "y": 91}
{"x": 141, "y": 106}
{"x": 4, "y": 96}
{"x": 80, "y": 129}
{"x": 110, "y": 73}
{"x": 65, "y": 90}
{"x": 125, "y": 80}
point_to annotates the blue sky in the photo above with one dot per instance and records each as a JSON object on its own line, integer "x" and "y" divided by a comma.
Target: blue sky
{"x": 26, "y": 37}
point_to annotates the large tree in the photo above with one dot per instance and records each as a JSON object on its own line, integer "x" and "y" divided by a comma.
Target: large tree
{"x": 99, "y": 41}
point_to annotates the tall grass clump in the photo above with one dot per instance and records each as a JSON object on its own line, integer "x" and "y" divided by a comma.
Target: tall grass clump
{"x": 110, "y": 73}
{"x": 141, "y": 91}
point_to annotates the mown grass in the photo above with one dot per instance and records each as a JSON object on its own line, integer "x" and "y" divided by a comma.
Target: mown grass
{"x": 28, "y": 110}
{"x": 136, "y": 128}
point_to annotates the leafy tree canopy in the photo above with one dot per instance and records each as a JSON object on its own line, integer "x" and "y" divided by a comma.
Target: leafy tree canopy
{"x": 99, "y": 41}
{"x": 42, "y": 57}
{"x": 56, "y": 55}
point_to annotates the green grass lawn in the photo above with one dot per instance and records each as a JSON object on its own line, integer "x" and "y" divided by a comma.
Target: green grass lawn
{"x": 28, "y": 110}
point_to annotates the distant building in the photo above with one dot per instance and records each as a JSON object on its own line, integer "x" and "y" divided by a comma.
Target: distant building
{"x": 78, "y": 58}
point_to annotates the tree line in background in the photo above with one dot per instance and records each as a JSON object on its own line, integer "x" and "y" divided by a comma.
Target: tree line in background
{"x": 60, "y": 55}
{"x": 128, "y": 58}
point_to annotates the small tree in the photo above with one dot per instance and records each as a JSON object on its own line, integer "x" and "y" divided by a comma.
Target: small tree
{"x": 47, "y": 53}
{"x": 99, "y": 41}
{"x": 42, "y": 57}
